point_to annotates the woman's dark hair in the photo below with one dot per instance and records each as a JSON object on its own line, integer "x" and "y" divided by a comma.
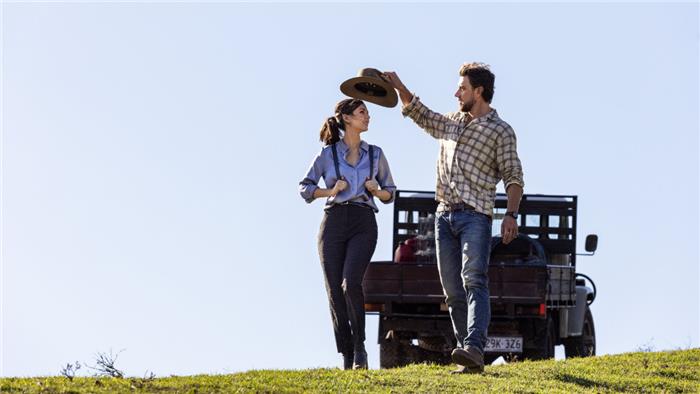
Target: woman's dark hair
{"x": 330, "y": 130}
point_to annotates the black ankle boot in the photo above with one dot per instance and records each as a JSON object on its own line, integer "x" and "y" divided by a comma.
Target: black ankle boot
{"x": 348, "y": 359}
{"x": 360, "y": 359}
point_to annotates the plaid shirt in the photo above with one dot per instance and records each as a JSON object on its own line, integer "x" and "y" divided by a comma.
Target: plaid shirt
{"x": 475, "y": 154}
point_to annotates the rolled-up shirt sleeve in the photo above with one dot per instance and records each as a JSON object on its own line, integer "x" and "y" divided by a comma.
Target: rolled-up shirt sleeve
{"x": 309, "y": 184}
{"x": 507, "y": 159}
{"x": 384, "y": 178}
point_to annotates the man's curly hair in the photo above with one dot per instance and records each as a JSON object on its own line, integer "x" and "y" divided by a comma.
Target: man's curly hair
{"x": 479, "y": 75}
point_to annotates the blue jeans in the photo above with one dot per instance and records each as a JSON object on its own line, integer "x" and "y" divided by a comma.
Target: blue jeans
{"x": 463, "y": 250}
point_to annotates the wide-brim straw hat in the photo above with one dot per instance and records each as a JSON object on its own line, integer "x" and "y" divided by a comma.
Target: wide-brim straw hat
{"x": 370, "y": 85}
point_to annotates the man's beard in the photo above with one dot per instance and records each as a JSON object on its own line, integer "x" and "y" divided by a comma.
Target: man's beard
{"x": 466, "y": 107}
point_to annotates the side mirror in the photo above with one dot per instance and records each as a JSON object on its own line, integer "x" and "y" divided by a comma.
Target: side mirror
{"x": 591, "y": 242}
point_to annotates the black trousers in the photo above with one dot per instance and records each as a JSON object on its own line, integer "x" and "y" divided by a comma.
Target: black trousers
{"x": 346, "y": 242}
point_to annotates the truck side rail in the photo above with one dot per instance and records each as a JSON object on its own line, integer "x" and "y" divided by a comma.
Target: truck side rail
{"x": 551, "y": 219}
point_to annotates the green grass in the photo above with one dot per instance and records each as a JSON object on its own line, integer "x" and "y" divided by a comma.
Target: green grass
{"x": 674, "y": 371}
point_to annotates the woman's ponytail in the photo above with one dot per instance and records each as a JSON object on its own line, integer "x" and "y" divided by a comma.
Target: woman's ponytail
{"x": 330, "y": 131}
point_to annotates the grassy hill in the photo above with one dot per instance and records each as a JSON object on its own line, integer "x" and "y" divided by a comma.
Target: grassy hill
{"x": 675, "y": 371}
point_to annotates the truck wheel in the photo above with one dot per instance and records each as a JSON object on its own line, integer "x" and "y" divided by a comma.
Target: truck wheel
{"x": 420, "y": 355}
{"x": 546, "y": 339}
{"x": 391, "y": 354}
{"x": 434, "y": 344}
{"x": 583, "y": 345}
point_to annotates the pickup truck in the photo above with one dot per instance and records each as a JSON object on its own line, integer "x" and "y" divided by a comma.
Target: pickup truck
{"x": 538, "y": 300}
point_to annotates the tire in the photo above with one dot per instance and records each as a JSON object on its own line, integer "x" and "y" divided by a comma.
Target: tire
{"x": 391, "y": 354}
{"x": 583, "y": 345}
{"x": 398, "y": 353}
{"x": 433, "y": 350}
{"x": 434, "y": 344}
{"x": 546, "y": 340}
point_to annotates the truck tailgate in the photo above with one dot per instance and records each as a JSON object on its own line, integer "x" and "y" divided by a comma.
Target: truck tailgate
{"x": 386, "y": 281}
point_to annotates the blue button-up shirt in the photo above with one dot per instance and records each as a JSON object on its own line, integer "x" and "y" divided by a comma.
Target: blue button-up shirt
{"x": 355, "y": 176}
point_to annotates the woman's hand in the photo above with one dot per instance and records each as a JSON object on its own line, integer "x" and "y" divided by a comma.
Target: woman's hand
{"x": 372, "y": 186}
{"x": 340, "y": 185}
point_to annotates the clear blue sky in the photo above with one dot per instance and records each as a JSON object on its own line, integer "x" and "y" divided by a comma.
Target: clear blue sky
{"x": 151, "y": 154}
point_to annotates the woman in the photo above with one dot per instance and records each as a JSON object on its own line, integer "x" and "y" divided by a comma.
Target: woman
{"x": 354, "y": 172}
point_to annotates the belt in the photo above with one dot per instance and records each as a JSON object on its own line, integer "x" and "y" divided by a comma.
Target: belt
{"x": 354, "y": 203}
{"x": 461, "y": 206}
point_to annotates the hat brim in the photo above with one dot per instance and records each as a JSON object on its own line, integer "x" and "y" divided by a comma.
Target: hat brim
{"x": 370, "y": 89}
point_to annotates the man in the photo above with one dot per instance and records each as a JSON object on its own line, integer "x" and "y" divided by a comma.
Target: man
{"x": 477, "y": 150}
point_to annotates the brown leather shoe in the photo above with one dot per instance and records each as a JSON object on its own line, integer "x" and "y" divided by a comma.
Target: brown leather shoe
{"x": 470, "y": 358}
{"x": 460, "y": 369}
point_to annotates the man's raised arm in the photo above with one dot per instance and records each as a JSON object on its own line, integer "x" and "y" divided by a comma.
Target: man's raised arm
{"x": 434, "y": 123}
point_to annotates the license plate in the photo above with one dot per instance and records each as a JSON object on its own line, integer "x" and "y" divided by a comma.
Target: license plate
{"x": 504, "y": 345}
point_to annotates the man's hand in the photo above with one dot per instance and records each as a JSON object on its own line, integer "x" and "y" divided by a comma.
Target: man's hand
{"x": 509, "y": 229}
{"x": 371, "y": 185}
{"x": 340, "y": 185}
{"x": 509, "y": 226}
{"x": 394, "y": 80}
